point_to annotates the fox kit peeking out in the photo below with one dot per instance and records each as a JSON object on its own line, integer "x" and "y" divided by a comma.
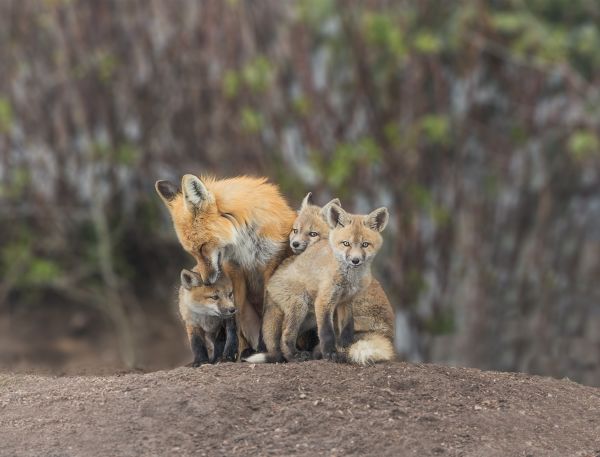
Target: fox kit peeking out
{"x": 208, "y": 313}
{"x": 310, "y": 225}
{"x": 320, "y": 282}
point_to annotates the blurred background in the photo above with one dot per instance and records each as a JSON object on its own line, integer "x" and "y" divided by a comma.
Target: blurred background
{"x": 477, "y": 123}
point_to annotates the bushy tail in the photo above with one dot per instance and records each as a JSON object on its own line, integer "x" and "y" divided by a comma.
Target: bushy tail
{"x": 264, "y": 357}
{"x": 371, "y": 348}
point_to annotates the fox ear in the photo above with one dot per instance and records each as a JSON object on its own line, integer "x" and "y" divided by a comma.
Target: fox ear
{"x": 195, "y": 193}
{"x": 378, "y": 219}
{"x": 189, "y": 279}
{"x": 335, "y": 201}
{"x": 166, "y": 190}
{"x": 307, "y": 201}
{"x": 335, "y": 216}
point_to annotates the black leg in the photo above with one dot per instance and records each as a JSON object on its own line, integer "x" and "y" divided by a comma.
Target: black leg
{"x": 261, "y": 342}
{"x": 347, "y": 335}
{"x": 199, "y": 351}
{"x": 327, "y": 338}
{"x": 231, "y": 341}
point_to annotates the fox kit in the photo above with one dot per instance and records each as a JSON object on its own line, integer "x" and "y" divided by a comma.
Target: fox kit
{"x": 243, "y": 220}
{"x": 320, "y": 282}
{"x": 310, "y": 225}
{"x": 373, "y": 313}
{"x": 208, "y": 313}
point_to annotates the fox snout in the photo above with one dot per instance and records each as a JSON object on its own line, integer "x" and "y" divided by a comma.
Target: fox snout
{"x": 228, "y": 312}
{"x": 297, "y": 246}
{"x": 355, "y": 259}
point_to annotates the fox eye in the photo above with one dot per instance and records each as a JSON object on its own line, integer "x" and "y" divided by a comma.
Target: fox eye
{"x": 215, "y": 297}
{"x": 295, "y": 231}
{"x": 230, "y": 295}
{"x": 365, "y": 244}
{"x": 313, "y": 234}
{"x": 346, "y": 243}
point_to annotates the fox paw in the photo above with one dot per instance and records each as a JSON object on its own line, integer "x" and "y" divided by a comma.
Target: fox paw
{"x": 197, "y": 363}
{"x": 300, "y": 356}
{"x": 334, "y": 356}
{"x": 317, "y": 355}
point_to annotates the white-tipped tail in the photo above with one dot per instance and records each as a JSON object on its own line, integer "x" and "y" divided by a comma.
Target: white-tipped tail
{"x": 371, "y": 348}
{"x": 257, "y": 358}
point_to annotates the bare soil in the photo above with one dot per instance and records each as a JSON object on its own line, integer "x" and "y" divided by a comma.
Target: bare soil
{"x": 312, "y": 408}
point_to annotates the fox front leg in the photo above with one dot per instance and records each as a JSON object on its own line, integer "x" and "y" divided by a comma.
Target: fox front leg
{"x": 231, "y": 341}
{"x": 324, "y": 314}
{"x": 198, "y": 349}
{"x": 346, "y": 325}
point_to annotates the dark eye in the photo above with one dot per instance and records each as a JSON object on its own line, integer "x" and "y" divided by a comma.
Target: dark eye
{"x": 313, "y": 234}
{"x": 346, "y": 243}
{"x": 295, "y": 230}
{"x": 215, "y": 297}
{"x": 230, "y": 295}
{"x": 365, "y": 244}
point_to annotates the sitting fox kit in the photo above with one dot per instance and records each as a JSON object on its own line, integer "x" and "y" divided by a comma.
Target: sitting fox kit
{"x": 319, "y": 283}
{"x": 208, "y": 313}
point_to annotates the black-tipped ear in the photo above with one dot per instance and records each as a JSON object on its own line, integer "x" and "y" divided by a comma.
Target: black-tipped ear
{"x": 195, "y": 193}
{"x": 378, "y": 219}
{"x": 306, "y": 201}
{"x": 335, "y": 201}
{"x": 190, "y": 279}
{"x": 335, "y": 216}
{"x": 166, "y": 190}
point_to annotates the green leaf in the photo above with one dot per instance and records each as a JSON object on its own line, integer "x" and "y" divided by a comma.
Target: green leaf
{"x": 231, "y": 83}
{"x": 426, "y": 42}
{"x": 258, "y": 74}
{"x": 6, "y": 115}
{"x": 252, "y": 121}
{"x": 127, "y": 154}
{"x": 583, "y": 144}
{"x": 41, "y": 271}
{"x": 381, "y": 31}
{"x": 436, "y": 128}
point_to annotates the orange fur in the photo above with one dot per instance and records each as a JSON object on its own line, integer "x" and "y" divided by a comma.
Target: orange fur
{"x": 244, "y": 220}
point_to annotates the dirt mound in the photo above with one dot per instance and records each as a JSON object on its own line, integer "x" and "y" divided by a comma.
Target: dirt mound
{"x": 313, "y": 408}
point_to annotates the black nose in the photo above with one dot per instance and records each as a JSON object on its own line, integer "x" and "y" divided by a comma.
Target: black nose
{"x": 231, "y": 310}
{"x": 295, "y": 244}
{"x": 355, "y": 260}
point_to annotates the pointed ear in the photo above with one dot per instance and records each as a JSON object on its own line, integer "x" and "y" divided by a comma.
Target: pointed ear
{"x": 166, "y": 190}
{"x": 335, "y": 201}
{"x": 335, "y": 216}
{"x": 378, "y": 219}
{"x": 195, "y": 193}
{"x": 190, "y": 279}
{"x": 306, "y": 201}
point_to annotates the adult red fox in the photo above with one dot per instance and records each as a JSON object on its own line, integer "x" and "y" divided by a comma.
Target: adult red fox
{"x": 243, "y": 220}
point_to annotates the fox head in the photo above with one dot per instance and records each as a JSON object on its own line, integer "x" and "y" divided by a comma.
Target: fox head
{"x": 202, "y": 230}
{"x": 310, "y": 225}
{"x": 210, "y": 300}
{"x": 354, "y": 238}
